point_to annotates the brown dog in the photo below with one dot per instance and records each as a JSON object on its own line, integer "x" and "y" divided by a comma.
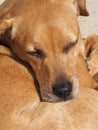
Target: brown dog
{"x": 46, "y": 34}
{"x": 21, "y": 109}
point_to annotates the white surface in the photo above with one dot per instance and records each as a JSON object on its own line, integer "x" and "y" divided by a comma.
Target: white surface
{"x": 89, "y": 25}
{"x": 1, "y": 1}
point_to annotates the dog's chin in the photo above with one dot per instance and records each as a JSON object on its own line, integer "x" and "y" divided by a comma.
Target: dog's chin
{"x": 53, "y": 98}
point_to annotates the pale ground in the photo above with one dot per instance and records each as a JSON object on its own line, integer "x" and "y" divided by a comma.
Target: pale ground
{"x": 89, "y": 25}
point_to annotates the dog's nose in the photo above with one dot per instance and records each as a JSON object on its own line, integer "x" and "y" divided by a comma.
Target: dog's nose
{"x": 63, "y": 90}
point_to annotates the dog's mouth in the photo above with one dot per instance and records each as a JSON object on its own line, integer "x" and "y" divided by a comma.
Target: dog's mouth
{"x": 51, "y": 97}
{"x": 58, "y": 92}
{"x": 69, "y": 93}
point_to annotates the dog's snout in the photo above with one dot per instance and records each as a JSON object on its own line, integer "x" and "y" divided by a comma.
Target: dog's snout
{"x": 63, "y": 90}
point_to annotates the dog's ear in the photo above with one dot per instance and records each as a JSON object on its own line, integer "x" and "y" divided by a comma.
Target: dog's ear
{"x": 81, "y": 7}
{"x": 4, "y": 24}
{"x": 8, "y": 27}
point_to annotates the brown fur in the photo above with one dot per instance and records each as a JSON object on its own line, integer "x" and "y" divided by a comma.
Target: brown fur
{"x": 16, "y": 87}
{"x": 20, "y": 106}
{"x": 21, "y": 109}
{"x": 91, "y": 44}
{"x": 41, "y": 32}
{"x": 89, "y": 64}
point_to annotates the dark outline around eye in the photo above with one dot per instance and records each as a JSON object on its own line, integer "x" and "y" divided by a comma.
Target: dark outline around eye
{"x": 36, "y": 53}
{"x": 69, "y": 46}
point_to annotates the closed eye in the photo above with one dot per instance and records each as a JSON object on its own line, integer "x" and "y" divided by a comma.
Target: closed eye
{"x": 37, "y": 53}
{"x": 69, "y": 46}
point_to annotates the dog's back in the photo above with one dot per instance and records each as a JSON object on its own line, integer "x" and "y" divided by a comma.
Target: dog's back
{"x": 16, "y": 86}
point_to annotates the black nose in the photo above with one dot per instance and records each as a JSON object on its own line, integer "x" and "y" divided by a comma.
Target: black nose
{"x": 63, "y": 90}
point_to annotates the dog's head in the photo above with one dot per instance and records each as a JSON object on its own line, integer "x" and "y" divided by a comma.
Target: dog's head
{"x": 45, "y": 33}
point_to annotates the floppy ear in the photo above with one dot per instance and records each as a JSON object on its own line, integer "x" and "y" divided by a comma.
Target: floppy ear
{"x": 8, "y": 28}
{"x": 5, "y": 25}
{"x": 81, "y": 7}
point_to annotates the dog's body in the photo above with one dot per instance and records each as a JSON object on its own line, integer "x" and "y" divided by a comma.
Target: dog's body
{"x": 80, "y": 113}
{"x": 41, "y": 32}
{"x": 16, "y": 87}
{"x": 21, "y": 109}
